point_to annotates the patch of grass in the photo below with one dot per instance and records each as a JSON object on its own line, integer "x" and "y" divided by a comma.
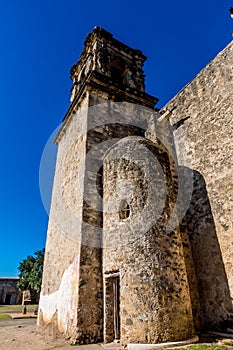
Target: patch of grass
{"x": 203, "y": 347}
{"x": 13, "y": 309}
{"x": 9, "y": 309}
{"x": 4, "y": 317}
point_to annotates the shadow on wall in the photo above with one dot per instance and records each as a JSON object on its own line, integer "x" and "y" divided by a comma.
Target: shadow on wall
{"x": 209, "y": 290}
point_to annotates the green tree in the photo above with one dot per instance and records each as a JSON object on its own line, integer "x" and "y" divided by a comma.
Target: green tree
{"x": 30, "y": 271}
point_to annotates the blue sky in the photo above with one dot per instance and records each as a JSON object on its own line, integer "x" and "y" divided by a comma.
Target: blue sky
{"x": 40, "y": 41}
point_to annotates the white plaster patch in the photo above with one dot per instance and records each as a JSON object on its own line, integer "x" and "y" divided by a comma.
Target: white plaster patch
{"x": 64, "y": 300}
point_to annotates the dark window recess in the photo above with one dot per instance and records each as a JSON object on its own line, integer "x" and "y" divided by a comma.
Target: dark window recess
{"x": 99, "y": 181}
{"x": 124, "y": 211}
{"x": 8, "y": 299}
{"x": 117, "y": 71}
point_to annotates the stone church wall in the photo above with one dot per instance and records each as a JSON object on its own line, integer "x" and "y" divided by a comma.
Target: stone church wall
{"x": 202, "y": 123}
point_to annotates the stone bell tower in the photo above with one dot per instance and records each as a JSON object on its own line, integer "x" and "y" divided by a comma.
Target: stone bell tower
{"x": 74, "y": 298}
{"x": 71, "y": 300}
{"x": 110, "y": 69}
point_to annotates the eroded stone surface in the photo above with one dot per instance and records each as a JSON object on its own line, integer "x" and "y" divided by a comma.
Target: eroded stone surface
{"x": 154, "y": 299}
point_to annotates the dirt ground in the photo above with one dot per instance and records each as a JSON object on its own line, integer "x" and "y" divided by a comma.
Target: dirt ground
{"x": 23, "y": 336}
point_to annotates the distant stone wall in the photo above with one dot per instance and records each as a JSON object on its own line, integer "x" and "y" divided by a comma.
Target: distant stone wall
{"x": 9, "y": 292}
{"x": 203, "y": 127}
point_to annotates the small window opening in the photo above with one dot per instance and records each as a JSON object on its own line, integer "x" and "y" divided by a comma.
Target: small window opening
{"x": 124, "y": 212}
